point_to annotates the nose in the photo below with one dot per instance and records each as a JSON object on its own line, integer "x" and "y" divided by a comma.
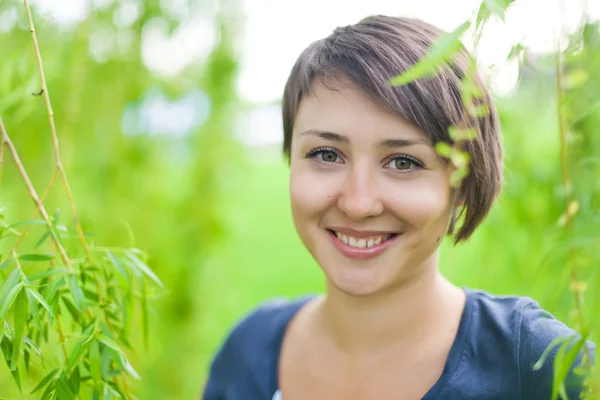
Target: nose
{"x": 360, "y": 196}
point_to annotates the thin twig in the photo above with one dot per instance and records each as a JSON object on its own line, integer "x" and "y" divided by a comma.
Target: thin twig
{"x": 34, "y": 195}
{"x": 566, "y": 179}
{"x": 59, "y": 165}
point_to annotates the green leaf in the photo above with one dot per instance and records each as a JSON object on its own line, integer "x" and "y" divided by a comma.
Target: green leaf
{"x": 566, "y": 364}
{"x": 42, "y": 302}
{"x": 129, "y": 368}
{"x": 75, "y": 380}
{"x": 53, "y": 289}
{"x": 29, "y": 222}
{"x": 32, "y": 346}
{"x": 105, "y": 340}
{"x": 34, "y": 310}
{"x": 56, "y": 216}
{"x": 479, "y": 111}
{"x": 118, "y": 266}
{"x": 95, "y": 363}
{"x": 11, "y": 281}
{"x": 91, "y": 295}
{"x": 20, "y": 318}
{"x": 556, "y": 342}
{"x": 26, "y": 359}
{"x": 42, "y": 239}
{"x": 495, "y": 6}
{"x": 7, "y": 350}
{"x": 36, "y": 257}
{"x": 460, "y": 159}
{"x": 106, "y": 357}
{"x": 462, "y": 134}
{"x": 17, "y": 378}
{"x": 443, "y": 149}
{"x": 483, "y": 15}
{"x": 63, "y": 391}
{"x": 457, "y": 176}
{"x": 557, "y": 387}
{"x": 47, "y": 274}
{"x": 439, "y": 53}
{"x": 45, "y": 380}
{"x": 10, "y": 299}
{"x": 6, "y": 263}
{"x": 81, "y": 347}
{"x": 77, "y": 293}
{"x": 516, "y": 51}
{"x": 145, "y": 329}
{"x": 50, "y": 391}
{"x": 56, "y": 235}
{"x": 73, "y": 310}
{"x": 143, "y": 267}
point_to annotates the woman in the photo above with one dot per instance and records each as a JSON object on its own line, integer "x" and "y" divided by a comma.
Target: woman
{"x": 371, "y": 201}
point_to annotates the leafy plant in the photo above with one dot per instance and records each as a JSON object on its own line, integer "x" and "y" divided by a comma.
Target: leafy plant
{"x": 72, "y": 294}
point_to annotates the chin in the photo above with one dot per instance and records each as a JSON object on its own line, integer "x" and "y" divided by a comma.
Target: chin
{"x": 356, "y": 282}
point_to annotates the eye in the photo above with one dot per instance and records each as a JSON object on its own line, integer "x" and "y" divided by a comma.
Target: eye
{"x": 325, "y": 155}
{"x": 403, "y": 163}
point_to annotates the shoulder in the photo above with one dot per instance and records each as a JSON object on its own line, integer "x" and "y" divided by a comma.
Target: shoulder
{"x": 517, "y": 326}
{"x": 247, "y": 359}
{"x": 543, "y": 335}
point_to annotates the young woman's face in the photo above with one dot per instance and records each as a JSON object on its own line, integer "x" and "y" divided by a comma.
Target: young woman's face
{"x": 370, "y": 196}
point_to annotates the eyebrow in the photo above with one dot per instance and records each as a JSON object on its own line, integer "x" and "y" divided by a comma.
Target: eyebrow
{"x": 335, "y": 137}
{"x": 389, "y": 143}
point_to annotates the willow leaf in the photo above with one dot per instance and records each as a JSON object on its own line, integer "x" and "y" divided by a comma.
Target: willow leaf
{"x": 439, "y": 53}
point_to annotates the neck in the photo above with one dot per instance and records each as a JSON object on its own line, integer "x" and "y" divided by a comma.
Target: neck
{"x": 400, "y": 316}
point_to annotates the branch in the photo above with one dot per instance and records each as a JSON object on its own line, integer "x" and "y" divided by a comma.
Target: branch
{"x": 59, "y": 165}
{"x": 63, "y": 175}
{"x": 33, "y": 194}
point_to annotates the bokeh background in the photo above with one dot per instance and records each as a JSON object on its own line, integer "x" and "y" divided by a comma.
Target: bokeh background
{"x": 169, "y": 120}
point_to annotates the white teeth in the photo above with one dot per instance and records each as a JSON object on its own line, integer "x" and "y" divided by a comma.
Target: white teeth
{"x": 360, "y": 243}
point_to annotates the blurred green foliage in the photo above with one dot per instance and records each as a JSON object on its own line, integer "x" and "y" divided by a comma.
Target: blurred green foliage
{"x": 215, "y": 219}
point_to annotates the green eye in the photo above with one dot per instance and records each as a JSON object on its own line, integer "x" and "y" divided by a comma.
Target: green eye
{"x": 328, "y": 156}
{"x": 403, "y": 163}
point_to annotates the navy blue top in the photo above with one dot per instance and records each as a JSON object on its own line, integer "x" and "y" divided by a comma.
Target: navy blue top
{"x": 499, "y": 339}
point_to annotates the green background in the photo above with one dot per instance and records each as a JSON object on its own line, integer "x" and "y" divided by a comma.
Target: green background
{"x": 214, "y": 214}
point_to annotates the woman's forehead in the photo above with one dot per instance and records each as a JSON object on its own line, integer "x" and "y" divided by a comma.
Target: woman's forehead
{"x": 346, "y": 109}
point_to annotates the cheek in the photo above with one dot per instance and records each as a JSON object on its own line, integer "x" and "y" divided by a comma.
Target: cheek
{"x": 422, "y": 204}
{"x": 309, "y": 194}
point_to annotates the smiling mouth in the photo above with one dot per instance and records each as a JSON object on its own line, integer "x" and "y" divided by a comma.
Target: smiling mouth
{"x": 363, "y": 242}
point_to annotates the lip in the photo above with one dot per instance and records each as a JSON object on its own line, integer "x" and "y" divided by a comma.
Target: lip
{"x": 360, "y": 234}
{"x": 361, "y": 253}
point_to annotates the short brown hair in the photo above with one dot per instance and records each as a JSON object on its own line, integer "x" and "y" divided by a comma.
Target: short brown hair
{"x": 378, "y": 48}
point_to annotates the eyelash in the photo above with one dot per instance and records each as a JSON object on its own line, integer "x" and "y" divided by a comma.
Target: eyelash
{"x": 319, "y": 150}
